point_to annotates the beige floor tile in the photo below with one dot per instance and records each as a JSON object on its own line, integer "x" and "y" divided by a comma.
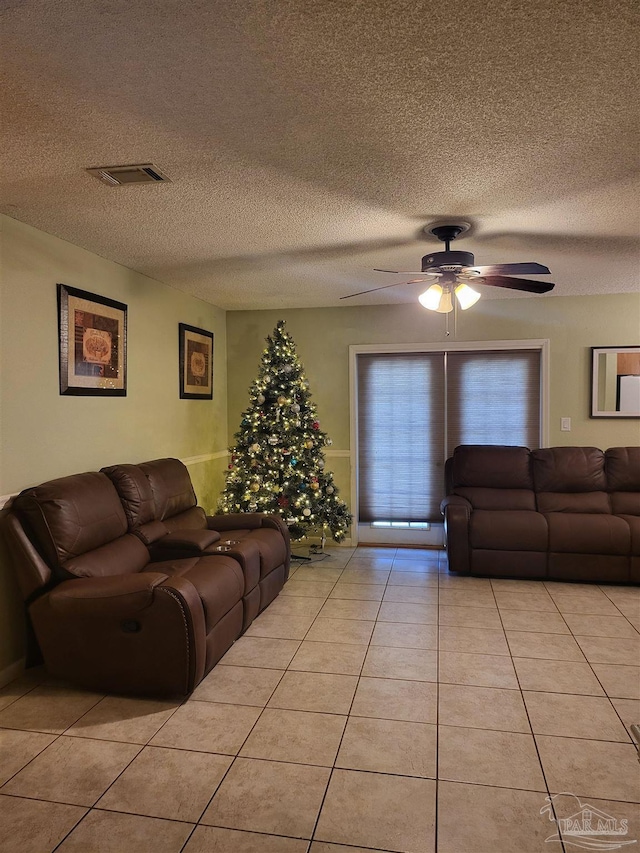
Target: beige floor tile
{"x": 300, "y": 737}
{"x": 591, "y": 717}
{"x": 590, "y": 768}
{"x": 238, "y": 685}
{"x": 630, "y": 609}
{"x": 503, "y": 759}
{"x": 339, "y": 658}
{"x": 426, "y": 580}
{"x": 269, "y": 796}
{"x": 374, "y": 810}
{"x": 409, "y": 664}
{"x": 557, "y": 676}
{"x": 208, "y": 727}
{"x": 470, "y": 617}
{"x": 524, "y": 644}
{"x": 327, "y": 574}
{"x": 48, "y": 709}
{"x": 611, "y": 650}
{"x": 464, "y": 583}
{"x": 17, "y": 748}
{"x": 358, "y": 591}
{"x": 22, "y": 685}
{"x": 585, "y": 604}
{"x": 307, "y": 589}
{"x": 383, "y": 698}
{"x": 110, "y": 832}
{"x": 405, "y": 635}
{"x": 412, "y": 594}
{"x": 32, "y": 826}
{"x": 623, "y": 682}
{"x": 327, "y": 847}
{"x": 628, "y": 710}
{"x": 167, "y": 783}
{"x": 418, "y": 554}
{"x": 481, "y": 819}
{"x": 599, "y": 626}
{"x": 340, "y": 608}
{"x": 482, "y": 708}
{"x": 584, "y": 590}
{"x": 388, "y": 746}
{"x": 278, "y": 627}
{"x": 478, "y": 670}
{"x": 370, "y": 561}
{"x": 352, "y": 631}
{"x": 538, "y": 621}
{"x": 525, "y": 601}
{"x": 483, "y": 641}
{"x": 362, "y": 575}
{"x": 315, "y": 691}
{"x": 523, "y": 585}
{"x": 261, "y": 652}
{"x": 462, "y": 598}
{"x": 565, "y": 807}
{"x": 417, "y": 614}
{"x": 295, "y": 605}
{"x": 417, "y": 567}
{"x": 213, "y": 839}
{"x": 72, "y": 770}
{"x": 123, "y": 718}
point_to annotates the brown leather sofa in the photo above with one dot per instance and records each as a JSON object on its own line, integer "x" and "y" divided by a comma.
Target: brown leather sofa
{"x": 129, "y": 586}
{"x": 563, "y": 513}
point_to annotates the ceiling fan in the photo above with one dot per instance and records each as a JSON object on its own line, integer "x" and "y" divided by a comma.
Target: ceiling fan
{"x": 453, "y": 272}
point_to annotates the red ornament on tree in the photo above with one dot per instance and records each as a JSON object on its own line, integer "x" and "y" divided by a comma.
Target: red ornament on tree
{"x": 282, "y": 501}
{"x": 316, "y": 425}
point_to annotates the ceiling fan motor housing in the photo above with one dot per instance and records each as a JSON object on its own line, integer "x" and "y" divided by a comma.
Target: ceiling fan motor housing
{"x": 440, "y": 259}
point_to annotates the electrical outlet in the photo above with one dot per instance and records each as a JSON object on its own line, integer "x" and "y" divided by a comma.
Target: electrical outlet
{"x": 565, "y": 424}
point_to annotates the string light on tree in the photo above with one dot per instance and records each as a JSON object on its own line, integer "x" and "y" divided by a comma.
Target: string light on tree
{"x": 277, "y": 462}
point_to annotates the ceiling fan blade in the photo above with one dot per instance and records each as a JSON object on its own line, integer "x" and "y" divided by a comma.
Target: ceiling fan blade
{"x": 384, "y": 287}
{"x": 525, "y": 284}
{"x": 401, "y": 272}
{"x": 513, "y": 269}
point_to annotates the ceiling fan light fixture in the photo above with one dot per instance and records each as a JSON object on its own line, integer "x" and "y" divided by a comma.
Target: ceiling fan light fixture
{"x": 466, "y": 296}
{"x": 431, "y": 298}
{"x": 446, "y": 302}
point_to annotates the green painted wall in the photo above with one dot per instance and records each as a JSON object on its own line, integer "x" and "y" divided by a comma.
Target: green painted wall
{"x": 44, "y": 435}
{"x": 323, "y": 336}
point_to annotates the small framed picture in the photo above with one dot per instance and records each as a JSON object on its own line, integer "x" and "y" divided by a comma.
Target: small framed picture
{"x": 196, "y": 363}
{"x": 92, "y": 334}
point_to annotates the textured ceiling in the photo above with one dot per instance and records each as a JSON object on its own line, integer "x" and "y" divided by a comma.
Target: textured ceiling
{"x": 309, "y": 141}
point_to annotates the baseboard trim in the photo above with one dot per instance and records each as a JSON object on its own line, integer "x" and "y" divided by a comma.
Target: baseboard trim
{"x": 9, "y": 673}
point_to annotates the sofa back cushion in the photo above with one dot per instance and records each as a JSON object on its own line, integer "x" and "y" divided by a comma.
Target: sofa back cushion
{"x": 568, "y": 469}
{"x": 491, "y": 467}
{"x": 171, "y": 487}
{"x": 135, "y": 492}
{"x": 74, "y": 516}
{"x": 622, "y": 466}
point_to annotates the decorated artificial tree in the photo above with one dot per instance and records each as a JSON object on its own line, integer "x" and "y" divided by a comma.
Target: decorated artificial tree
{"x": 277, "y": 464}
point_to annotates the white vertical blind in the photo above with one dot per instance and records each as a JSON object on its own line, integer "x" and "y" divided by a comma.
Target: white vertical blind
{"x": 401, "y": 440}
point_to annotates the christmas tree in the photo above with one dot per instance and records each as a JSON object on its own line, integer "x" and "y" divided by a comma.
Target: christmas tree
{"x": 277, "y": 464}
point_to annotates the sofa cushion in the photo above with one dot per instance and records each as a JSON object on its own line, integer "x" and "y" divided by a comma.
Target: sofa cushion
{"x": 510, "y": 530}
{"x": 135, "y": 492}
{"x": 622, "y": 465}
{"x": 491, "y": 467}
{"x": 218, "y": 580}
{"x": 634, "y": 528}
{"x": 625, "y": 503}
{"x": 586, "y": 502}
{"x": 171, "y": 486}
{"x": 568, "y": 469}
{"x": 191, "y": 519}
{"x": 498, "y": 499}
{"x": 583, "y": 533}
{"x": 72, "y": 515}
{"x": 124, "y": 556}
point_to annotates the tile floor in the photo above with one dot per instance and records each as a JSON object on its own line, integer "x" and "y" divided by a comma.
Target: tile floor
{"x": 379, "y": 704}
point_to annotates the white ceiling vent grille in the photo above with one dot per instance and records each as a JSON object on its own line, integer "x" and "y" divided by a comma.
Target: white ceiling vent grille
{"x": 136, "y": 173}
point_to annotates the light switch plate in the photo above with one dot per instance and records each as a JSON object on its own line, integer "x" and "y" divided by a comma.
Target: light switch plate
{"x": 565, "y": 424}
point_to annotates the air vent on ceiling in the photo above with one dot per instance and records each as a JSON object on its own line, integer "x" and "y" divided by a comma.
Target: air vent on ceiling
{"x": 137, "y": 173}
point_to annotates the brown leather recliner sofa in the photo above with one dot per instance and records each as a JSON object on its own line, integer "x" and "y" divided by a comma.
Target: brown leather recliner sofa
{"x": 562, "y": 513}
{"x": 130, "y": 586}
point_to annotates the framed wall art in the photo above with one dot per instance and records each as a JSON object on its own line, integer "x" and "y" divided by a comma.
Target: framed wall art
{"x": 615, "y": 382}
{"x": 92, "y": 334}
{"x": 196, "y": 363}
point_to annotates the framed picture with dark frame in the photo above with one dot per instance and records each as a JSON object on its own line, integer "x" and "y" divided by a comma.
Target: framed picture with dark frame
{"x": 195, "y": 362}
{"x": 92, "y": 336}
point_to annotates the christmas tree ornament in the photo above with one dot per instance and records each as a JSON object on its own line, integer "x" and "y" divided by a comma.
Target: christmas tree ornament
{"x": 288, "y": 368}
{"x": 252, "y": 507}
{"x": 261, "y": 398}
{"x": 306, "y": 512}
{"x": 295, "y": 408}
{"x": 266, "y": 379}
{"x": 255, "y": 448}
{"x": 329, "y": 442}
{"x": 321, "y": 463}
{"x": 281, "y": 400}
{"x": 254, "y": 487}
{"x": 330, "y": 490}
{"x": 316, "y": 425}
{"x": 308, "y": 444}
{"x": 273, "y": 439}
{"x": 315, "y": 485}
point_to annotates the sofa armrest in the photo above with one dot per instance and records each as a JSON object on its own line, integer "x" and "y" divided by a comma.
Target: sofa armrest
{"x": 140, "y": 633}
{"x": 457, "y": 514}
{"x": 184, "y": 543}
